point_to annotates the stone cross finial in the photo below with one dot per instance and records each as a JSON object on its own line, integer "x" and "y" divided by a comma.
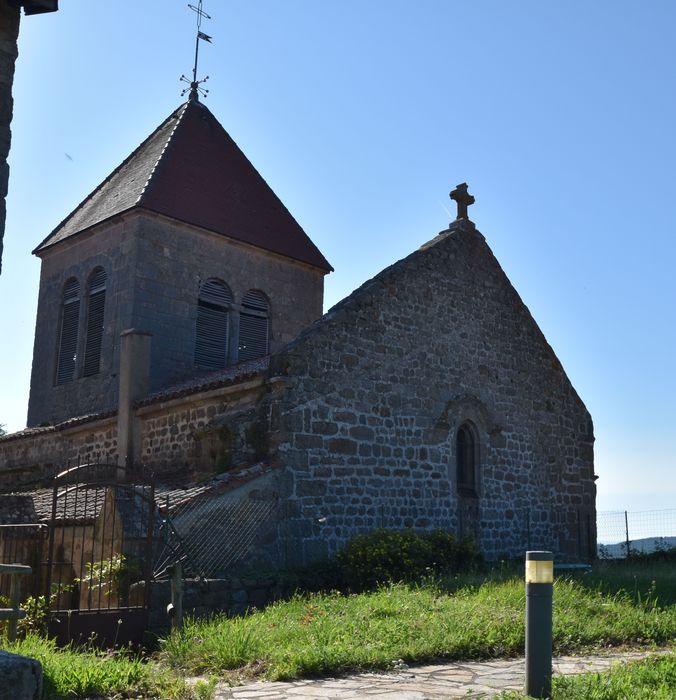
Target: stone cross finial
{"x": 463, "y": 199}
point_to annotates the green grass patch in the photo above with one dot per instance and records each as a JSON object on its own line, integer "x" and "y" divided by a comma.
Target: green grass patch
{"x": 329, "y": 633}
{"x": 85, "y": 673}
{"x": 639, "y": 577}
{"x": 651, "y": 679}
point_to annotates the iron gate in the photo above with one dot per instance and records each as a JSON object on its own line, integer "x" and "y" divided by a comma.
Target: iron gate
{"x": 100, "y": 556}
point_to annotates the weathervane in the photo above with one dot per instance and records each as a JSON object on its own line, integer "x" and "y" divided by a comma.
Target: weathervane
{"x": 195, "y": 89}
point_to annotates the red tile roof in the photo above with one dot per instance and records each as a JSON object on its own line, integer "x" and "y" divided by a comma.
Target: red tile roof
{"x": 191, "y": 170}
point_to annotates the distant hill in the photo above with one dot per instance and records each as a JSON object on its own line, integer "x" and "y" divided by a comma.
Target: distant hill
{"x": 642, "y": 546}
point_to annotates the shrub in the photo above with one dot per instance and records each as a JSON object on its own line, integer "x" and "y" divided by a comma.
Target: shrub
{"x": 384, "y": 556}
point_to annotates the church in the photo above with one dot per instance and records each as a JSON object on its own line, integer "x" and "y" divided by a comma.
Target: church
{"x": 180, "y": 329}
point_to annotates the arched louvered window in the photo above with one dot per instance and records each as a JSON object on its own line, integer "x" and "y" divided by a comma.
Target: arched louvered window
{"x": 254, "y": 326}
{"x": 213, "y": 307}
{"x": 70, "y": 321}
{"x": 466, "y": 459}
{"x": 96, "y": 301}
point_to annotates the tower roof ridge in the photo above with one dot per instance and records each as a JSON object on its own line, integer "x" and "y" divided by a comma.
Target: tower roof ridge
{"x": 86, "y": 213}
{"x": 183, "y": 109}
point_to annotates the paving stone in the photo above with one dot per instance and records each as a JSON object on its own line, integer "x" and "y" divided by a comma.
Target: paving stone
{"x": 425, "y": 682}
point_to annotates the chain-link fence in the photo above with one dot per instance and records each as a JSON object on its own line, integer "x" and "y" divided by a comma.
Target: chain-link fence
{"x": 621, "y": 533}
{"x": 210, "y": 535}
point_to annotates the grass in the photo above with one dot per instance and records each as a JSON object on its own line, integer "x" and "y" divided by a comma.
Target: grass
{"x": 80, "y": 673}
{"x": 329, "y": 633}
{"x": 651, "y": 679}
{"x": 469, "y": 617}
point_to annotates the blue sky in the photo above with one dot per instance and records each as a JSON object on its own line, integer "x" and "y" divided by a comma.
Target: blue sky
{"x": 362, "y": 115}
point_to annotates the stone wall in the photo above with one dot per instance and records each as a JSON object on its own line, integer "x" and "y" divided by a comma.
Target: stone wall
{"x": 9, "y": 32}
{"x": 206, "y": 433}
{"x": 362, "y": 412}
{"x": 114, "y": 252}
{"x": 154, "y": 269}
{"x": 39, "y": 453}
{"x": 175, "y": 259}
{"x": 379, "y": 387}
{"x": 191, "y": 437}
{"x": 203, "y": 598}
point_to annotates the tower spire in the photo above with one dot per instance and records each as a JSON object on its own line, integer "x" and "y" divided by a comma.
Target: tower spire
{"x": 195, "y": 90}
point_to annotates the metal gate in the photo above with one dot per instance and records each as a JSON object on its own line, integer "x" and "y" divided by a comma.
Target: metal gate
{"x": 23, "y": 543}
{"x": 99, "y": 556}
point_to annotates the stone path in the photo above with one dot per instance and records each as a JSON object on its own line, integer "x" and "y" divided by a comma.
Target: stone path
{"x": 426, "y": 682}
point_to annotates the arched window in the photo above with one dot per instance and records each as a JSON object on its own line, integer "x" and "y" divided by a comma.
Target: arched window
{"x": 70, "y": 321}
{"x": 96, "y": 301}
{"x": 254, "y": 326}
{"x": 213, "y": 307}
{"x": 466, "y": 459}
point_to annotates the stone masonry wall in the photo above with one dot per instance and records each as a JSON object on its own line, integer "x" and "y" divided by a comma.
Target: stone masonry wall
{"x": 190, "y": 437}
{"x": 379, "y": 387}
{"x": 114, "y": 251}
{"x": 9, "y": 33}
{"x": 203, "y": 598}
{"x": 154, "y": 269}
{"x": 38, "y": 454}
{"x": 175, "y": 259}
{"x": 204, "y": 434}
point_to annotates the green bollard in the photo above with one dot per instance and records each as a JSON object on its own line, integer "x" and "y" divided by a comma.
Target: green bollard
{"x": 539, "y": 587}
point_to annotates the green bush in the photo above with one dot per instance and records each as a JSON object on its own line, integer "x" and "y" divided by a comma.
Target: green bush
{"x": 384, "y": 556}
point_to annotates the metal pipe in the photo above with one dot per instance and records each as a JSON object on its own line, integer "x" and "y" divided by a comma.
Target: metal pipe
{"x": 626, "y": 533}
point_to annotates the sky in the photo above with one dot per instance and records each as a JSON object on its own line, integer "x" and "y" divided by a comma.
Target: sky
{"x": 362, "y": 115}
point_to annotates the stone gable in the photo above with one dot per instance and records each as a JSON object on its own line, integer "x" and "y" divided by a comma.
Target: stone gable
{"x": 381, "y": 384}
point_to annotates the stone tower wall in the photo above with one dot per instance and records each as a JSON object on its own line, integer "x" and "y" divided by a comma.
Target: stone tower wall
{"x": 154, "y": 268}
{"x": 114, "y": 249}
{"x": 173, "y": 260}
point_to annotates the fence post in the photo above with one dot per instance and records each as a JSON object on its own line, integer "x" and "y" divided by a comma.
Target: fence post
{"x": 175, "y": 608}
{"x": 626, "y": 531}
{"x": 14, "y": 614}
{"x": 15, "y": 599}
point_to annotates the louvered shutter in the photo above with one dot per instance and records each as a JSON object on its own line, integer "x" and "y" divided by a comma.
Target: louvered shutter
{"x": 70, "y": 320}
{"x": 211, "y": 342}
{"x": 254, "y": 326}
{"x": 95, "y": 307}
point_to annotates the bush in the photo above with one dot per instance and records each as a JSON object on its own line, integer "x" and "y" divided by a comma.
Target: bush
{"x": 384, "y": 556}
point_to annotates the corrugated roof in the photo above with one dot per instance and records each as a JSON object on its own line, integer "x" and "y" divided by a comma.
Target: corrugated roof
{"x": 191, "y": 170}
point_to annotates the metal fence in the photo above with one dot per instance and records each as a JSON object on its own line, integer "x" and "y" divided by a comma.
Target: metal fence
{"x": 211, "y": 534}
{"x": 622, "y": 533}
{"x": 24, "y": 544}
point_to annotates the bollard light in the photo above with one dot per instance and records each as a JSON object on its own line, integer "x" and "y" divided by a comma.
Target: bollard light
{"x": 539, "y": 570}
{"x": 539, "y": 588}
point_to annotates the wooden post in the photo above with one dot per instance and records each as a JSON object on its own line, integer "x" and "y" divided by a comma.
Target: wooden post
{"x": 176, "y": 605}
{"x": 15, "y": 599}
{"x": 13, "y": 614}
